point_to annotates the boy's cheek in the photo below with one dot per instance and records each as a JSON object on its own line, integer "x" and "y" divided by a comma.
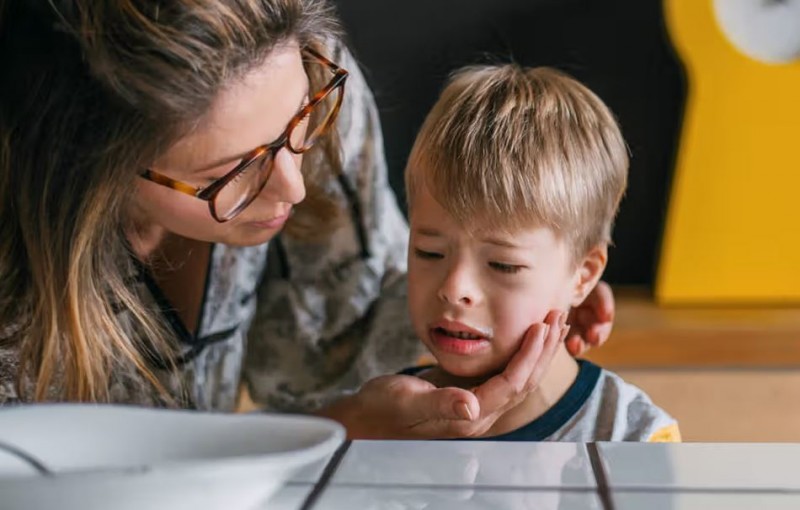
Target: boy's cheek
{"x": 416, "y": 308}
{"x": 422, "y": 291}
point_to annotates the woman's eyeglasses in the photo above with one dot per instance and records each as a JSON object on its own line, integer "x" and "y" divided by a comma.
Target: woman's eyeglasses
{"x": 232, "y": 193}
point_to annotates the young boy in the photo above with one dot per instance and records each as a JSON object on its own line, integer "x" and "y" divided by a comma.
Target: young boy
{"x": 513, "y": 185}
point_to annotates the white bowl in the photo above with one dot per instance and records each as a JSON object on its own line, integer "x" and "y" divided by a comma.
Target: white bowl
{"x": 118, "y": 457}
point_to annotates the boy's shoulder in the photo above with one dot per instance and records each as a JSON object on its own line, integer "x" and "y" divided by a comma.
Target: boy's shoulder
{"x": 618, "y": 411}
{"x": 599, "y": 406}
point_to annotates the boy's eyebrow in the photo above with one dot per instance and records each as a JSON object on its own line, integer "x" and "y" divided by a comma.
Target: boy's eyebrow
{"x": 500, "y": 242}
{"x": 427, "y": 231}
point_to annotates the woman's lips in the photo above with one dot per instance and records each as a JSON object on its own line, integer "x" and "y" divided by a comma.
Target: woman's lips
{"x": 273, "y": 223}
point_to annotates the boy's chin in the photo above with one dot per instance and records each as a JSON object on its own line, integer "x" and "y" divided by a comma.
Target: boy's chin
{"x": 468, "y": 375}
{"x": 486, "y": 365}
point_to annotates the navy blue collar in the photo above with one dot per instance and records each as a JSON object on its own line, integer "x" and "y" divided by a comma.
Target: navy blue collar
{"x": 557, "y": 416}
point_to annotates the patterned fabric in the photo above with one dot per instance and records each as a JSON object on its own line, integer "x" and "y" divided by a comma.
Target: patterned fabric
{"x": 330, "y": 318}
{"x": 315, "y": 321}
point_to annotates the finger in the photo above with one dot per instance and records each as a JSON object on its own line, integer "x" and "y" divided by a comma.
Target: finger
{"x": 501, "y": 390}
{"x": 585, "y": 318}
{"x": 509, "y": 391}
{"x": 601, "y": 302}
{"x": 576, "y": 319}
{"x": 598, "y": 334}
{"x": 420, "y": 400}
{"x": 522, "y": 375}
{"x": 442, "y": 404}
{"x": 449, "y": 412}
{"x": 553, "y": 338}
{"x": 553, "y": 341}
{"x": 575, "y": 345}
{"x": 445, "y": 429}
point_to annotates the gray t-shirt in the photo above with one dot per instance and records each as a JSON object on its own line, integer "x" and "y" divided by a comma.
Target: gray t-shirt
{"x": 613, "y": 410}
{"x": 598, "y": 406}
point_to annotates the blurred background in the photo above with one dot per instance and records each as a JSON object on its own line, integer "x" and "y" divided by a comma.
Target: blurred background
{"x": 706, "y": 262}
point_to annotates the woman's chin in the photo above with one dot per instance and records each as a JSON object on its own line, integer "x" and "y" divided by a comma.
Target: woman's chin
{"x": 251, "y": 238}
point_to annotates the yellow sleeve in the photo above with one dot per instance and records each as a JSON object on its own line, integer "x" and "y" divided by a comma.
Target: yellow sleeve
{"x": 669, "y": 434}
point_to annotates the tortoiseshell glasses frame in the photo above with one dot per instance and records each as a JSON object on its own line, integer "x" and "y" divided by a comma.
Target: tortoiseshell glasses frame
{"x": 262, "y": 158}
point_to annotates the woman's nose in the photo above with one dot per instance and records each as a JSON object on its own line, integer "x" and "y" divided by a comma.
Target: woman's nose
{"x": 285, "y": 184}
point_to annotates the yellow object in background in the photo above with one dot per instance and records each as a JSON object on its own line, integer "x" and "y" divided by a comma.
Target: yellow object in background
{"x": 733, "y": 228}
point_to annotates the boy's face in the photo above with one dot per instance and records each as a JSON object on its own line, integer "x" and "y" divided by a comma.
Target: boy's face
{"x": 472, "y": 297}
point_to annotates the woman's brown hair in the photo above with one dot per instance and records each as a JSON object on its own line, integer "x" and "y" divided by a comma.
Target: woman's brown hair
{"x": 93, "y": 91}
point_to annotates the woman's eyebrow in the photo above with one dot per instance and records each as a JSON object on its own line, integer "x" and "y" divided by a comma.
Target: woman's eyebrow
{"x": 238, "y": 157}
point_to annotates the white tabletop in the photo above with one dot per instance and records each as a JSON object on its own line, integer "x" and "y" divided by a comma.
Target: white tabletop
{"x": 465, "y": 475}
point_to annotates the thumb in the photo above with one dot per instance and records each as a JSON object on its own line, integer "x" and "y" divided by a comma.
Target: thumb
{"x": 445, "y": 404}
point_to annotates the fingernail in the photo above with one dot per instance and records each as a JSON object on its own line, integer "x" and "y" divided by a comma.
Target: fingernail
{"x": 563, "y": 319}
{"x": 463, "y": 412}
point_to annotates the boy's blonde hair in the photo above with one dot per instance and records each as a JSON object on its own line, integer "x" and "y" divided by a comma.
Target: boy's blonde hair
{"x": 507, "y": 147}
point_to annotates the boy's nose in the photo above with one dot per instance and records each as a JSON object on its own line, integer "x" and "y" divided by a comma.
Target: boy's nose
{"x": 286, "y": 182}
{"x": 460, "y": 288}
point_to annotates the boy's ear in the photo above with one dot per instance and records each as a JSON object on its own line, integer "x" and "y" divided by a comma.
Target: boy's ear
{"x": 588, "y": 273}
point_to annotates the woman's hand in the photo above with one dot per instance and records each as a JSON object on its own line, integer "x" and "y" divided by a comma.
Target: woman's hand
{"x": 591, "y": 322}
{"x": 406, "y": 407}
{"x": 403, "y": 407}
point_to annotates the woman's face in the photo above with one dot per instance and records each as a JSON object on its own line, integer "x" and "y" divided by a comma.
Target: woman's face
{"x": 253, "y": 110}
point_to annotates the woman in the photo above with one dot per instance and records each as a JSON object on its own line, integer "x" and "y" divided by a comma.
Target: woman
{"x": 150, "y": 153}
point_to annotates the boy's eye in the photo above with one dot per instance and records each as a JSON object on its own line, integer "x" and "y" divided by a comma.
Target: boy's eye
{"x": 505, "y": 268}
{"x": 428, "y": 255}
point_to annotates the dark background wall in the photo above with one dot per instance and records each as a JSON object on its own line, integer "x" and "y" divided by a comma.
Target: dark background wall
{"x": 618, "y": 48}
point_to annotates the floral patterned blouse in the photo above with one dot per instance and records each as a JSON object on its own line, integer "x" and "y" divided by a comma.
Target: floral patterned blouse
{"x": 299, "y": 323}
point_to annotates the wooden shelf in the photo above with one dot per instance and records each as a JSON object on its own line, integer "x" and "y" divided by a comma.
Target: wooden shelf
{"x": 648, "y": 336}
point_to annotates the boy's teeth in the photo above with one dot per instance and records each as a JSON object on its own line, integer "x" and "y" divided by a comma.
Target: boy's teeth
{"x": 463, "y": 335}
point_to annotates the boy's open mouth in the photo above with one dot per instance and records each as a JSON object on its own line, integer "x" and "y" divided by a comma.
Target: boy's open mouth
{"x": 459, "y": 342}
{"x": 462, "y": 335}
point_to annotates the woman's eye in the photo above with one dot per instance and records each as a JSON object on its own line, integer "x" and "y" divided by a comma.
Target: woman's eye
{"x": 428, "y": 255}
{"x": 218, "y": 173}
{"x": 505, "y": 268}
{"x": 215, "y": 178}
